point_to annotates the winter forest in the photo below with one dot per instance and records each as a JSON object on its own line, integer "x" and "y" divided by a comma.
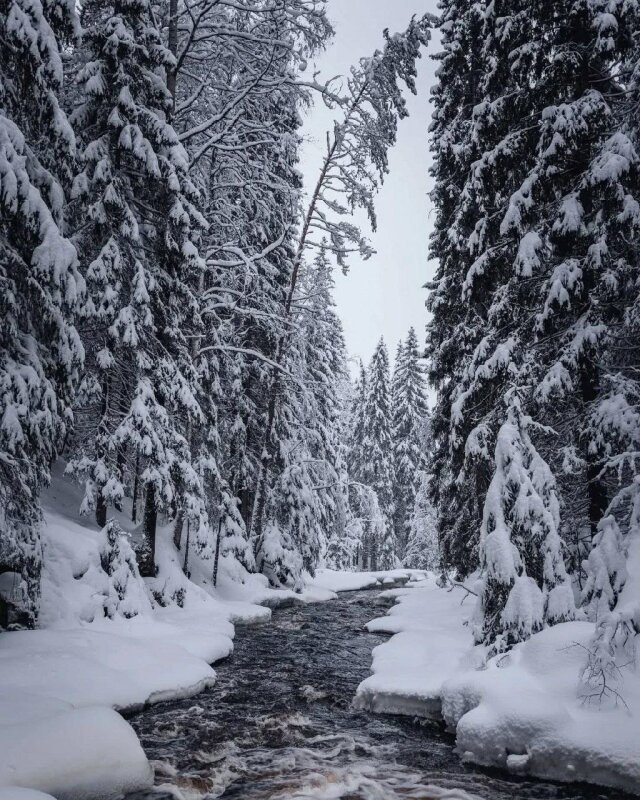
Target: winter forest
{"x": 188, "y": 447}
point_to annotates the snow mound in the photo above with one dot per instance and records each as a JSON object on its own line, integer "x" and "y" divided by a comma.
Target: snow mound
{"x": 525, "y": 713}
{"x": 16, "y": 793}
{"x": 338, "y": 581}
{"x": 74, "y": 754}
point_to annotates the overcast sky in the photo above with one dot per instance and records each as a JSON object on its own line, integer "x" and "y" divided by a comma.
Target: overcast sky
{"x": 382, "y": 296}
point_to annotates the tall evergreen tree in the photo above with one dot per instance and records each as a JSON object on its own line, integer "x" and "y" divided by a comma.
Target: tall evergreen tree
{"x": 139, "y": 220}
{"x": 40, "y": 287}
{"x": 527, "y": 285}
{"x": 410, "y": 420}
{"x": 422, "y": 550}
{"x": 377, "y": 453}
{"x": 525, "y": 585}
{"x": 454, "y": 329}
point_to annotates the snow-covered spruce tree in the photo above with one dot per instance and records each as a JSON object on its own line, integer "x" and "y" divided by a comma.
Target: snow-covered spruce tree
{"x": 525, "y": 585}
{"x": 525, "y": 233}
{"x": 355, "y": 461}
{"x": 410, "y": 419}
{"x": 398, "y": 501}
{"x": 606, "y": 569}
{"x": 454, "y": 329}
{"x": 574, "y": 220}
{"x": 344, "y": 540}
{"x": 422, "y": 550}
{"x": 292, "y": 539}
{"x": 307, "y": 502}
{"x": 40, "y": 287}
{"x": 124, "y": 592}
{"x": 608, "y": 593}
{"x": 246, "y": 301}
{"x": 137, "y": 219}
{"x": 377, "y": 454}
{"x": 325, "y": 377}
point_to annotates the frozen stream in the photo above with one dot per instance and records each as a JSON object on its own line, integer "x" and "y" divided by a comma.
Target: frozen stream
{"x": 279, "y": 724}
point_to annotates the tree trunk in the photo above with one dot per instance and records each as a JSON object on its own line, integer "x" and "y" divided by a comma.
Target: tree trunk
{"x": 101, "y": 503}
{"x": 149, "y": 524}
{"x": 173, "y": 47}
{"x": 596, "y": 490}
{"x": 101, "y": 511}
{"x": 136, "y": 491}
{"x": 185, "y": 566}
{"x": 177, "y": 531}
{"x": 217, "y": 556}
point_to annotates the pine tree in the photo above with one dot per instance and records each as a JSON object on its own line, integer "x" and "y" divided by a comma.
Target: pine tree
{"x": 525, "y": 583}
{"x": 40, "y": 287}
{"x": 573, "y": 218}
{"x": 124, "y": 593}
{"x": 454, "y": 329}
{"x": 410, "y": 418}
{"x": 325, "y": 376}
{"x": 139, "y": 220}
{"x": 377, "y": 452}
{"x": 355, "y": 460}
{"x": 534, "y": 237}
{"x": 606, "y": 570}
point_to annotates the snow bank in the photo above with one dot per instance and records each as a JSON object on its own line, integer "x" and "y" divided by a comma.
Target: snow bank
{"x": 75, "y": 753}
{"x": 525, "y": 712}
{"x": 62, "y": 684}
{"x": 429, "y": 642}
{"x": 15, "y": 793}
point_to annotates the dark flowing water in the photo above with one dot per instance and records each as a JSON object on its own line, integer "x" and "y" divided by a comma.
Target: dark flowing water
{"x": 279, "y": 724}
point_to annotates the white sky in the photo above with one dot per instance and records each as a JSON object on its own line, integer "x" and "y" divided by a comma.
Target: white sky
{"x": 382, "y": 296}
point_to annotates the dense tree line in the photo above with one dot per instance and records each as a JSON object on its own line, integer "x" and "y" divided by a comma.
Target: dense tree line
{"x": 533, "y": 342}
{"x": 387, "y": 458}
{"x": 166, "y": 322}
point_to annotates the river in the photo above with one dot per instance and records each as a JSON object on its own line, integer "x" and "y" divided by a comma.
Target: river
{"x": 279, "y": 724}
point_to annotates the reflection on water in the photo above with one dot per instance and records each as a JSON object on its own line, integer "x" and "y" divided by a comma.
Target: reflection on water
{"x": 279, "y": 724}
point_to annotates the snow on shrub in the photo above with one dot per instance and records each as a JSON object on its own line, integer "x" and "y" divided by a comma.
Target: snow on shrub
{"x": 124, "y": 593}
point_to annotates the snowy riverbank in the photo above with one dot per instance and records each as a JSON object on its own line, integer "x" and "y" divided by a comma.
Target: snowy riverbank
{"x": 62, "y": 685}
{"x": 524, "y": 712}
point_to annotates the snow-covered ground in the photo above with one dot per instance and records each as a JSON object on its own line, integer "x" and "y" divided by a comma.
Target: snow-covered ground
{"x": 62, "y": 685}
{"x": 525, "y": 712}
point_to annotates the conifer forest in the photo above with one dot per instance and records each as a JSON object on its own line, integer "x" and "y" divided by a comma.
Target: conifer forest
{"x": 198, "y": 464}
